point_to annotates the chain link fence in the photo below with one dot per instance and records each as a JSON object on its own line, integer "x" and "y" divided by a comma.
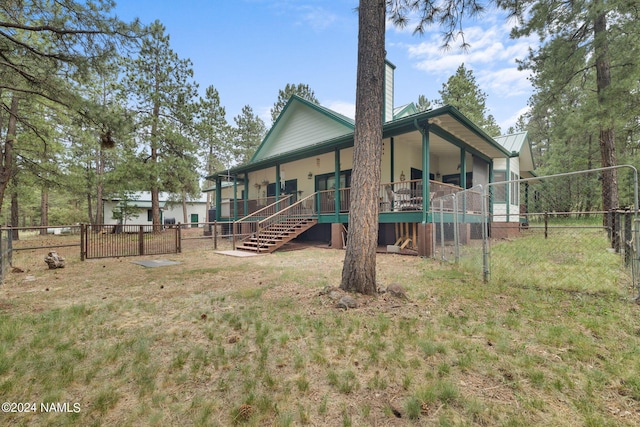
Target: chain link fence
{"x": 544, "y": 232}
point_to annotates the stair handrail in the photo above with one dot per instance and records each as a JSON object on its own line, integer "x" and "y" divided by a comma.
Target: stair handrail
{"x": 244, "y": 219}
{"x": 286, "y": 212}
{"x": 288, "y": 196}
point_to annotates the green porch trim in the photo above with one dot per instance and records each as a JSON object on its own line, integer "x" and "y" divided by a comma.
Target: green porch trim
{"x": 507, "y": 197}
{"x": 426, "y": 190}
{"x": 246, "y": 193}
{"x": 336, "y": 175}
{"x": 463, "y": 178}
{"x": 277, "y": 185}
{"x": 235, "y": 198}
{"x": 491, "y": 187}
{"x": 392, "y": 156}
{"x": 218, "y": 197}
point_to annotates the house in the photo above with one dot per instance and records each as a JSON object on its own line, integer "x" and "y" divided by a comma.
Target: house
{"x": 304, "y": 163}
{"x": 136, "y": 209}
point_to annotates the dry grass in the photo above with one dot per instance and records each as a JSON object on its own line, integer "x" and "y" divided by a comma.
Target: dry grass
{"x": 218, "y": 340}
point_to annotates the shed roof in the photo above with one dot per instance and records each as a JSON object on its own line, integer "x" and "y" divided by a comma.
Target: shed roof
{"x": 519, "y": 144}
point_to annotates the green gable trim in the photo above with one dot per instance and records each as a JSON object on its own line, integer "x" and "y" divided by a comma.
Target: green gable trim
{"x": 336, "y": 117}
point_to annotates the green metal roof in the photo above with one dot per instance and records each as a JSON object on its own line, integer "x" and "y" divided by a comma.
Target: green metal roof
{"x": 519, "y": 144}
{"x": 513, "y": 142}
{"x": 446, "y": 121}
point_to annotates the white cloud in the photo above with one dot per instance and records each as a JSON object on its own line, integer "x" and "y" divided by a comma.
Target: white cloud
{"x": 512, "y": 120}
{"x": 343, "y": 107}
{"x": 315, "y": 17}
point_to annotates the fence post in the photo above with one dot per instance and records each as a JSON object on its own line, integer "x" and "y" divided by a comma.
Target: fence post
{"x": 485, "y": 236}
{"x": 456, "y": 231}
{"x": 546, "y": 224}
{"x": 141, "y": 240}
{"x": 442, "y": 257}
{"x": 82, "y": 242}
{"x": 234, "y": 235}
{"x": 215, "y": 234}
{"x": 179, "y": 239}
{"x": 628, "y": 238}
{"x": 635, "y": 267}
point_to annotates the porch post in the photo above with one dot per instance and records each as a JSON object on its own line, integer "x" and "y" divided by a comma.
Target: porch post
{"x": 463, "y": 181}
{"x": 337, "y": 179}
{"x": 392, "y": 154}
{"x": 235, "y": 198}
{"x": 277, "y": 186}
{"x": 425, "y": 173}
{"x": 246, "y": 193}
{"x": 507, "y": 196}
{"x": 463, "y": 169}
{"x": 491, "y": 189}
{"x": 218, "y": 197}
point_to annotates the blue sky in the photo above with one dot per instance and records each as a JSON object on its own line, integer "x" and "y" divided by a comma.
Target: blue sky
{"x": 250, "y": 49}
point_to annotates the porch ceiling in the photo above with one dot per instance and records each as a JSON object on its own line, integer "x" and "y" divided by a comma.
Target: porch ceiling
{"x": 464, "y": 133}
{"x": 439, "y": 146}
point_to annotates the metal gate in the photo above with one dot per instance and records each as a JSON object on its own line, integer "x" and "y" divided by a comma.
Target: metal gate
{"x": 107, "y": 241}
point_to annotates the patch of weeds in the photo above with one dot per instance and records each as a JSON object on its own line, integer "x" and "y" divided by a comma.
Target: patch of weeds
{"x": 249, "y": 294}
{"x": 284, "y": 419}
{"x": 346, "y": 417}
{"x": 377, "y": 382}
{"x": 413, "y": 408}
{"x": 145, "y": 378}
{"x": 442, "y": 391}
{"x": 200, "y": 359}
{"x": 536, "y": 377}
{"x": 179, "y": 359}
{"x": 105, "y": 399}
{"x": 322, "y": 407}
{"x": 203, "y": 271}
{"x": 302, "y": 383}
{"x": 444, "y": 369}
{"x": 345, "y": 382}
{"x": 303, "y": 414}
{"x": 298, "y": 361}
{"x": 464, "y": 361}
{"x": 407, "y": 379}
{"x": 430, "y": 348}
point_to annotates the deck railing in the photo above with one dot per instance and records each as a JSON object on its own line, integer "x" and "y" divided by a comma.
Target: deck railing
{"x": 407, "y": 195}
{"x": 248, "y": 225}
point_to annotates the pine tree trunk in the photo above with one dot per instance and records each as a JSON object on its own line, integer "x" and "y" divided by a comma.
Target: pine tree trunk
{"x": 607, "y": 133}
{"x": 6, "y": 170}
{"x": 44, "y": 210}
{"x": 15, "y": 215}
{"x": 359, "y": 269}
{"x": 155, "y": 196}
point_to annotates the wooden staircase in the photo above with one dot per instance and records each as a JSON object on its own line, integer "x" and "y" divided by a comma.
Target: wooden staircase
{"x": 277, "y": 234}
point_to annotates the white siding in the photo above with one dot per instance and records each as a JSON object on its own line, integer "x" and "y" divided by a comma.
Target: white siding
{"x": 303, "y": 127}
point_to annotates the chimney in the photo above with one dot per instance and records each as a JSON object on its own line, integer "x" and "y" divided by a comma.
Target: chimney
{"x": 387, "y": 107}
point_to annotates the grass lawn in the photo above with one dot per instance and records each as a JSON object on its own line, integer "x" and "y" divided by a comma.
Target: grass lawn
{"x": 218, "y": 340}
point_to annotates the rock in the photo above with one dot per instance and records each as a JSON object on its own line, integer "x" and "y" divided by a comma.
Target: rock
{"x": 327, "y": 290}
{"x": 54, "y": 260}
{"x": 347, "y": 302}
{"x": 397, "y": 291}
{"x": 335, "y": 295}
